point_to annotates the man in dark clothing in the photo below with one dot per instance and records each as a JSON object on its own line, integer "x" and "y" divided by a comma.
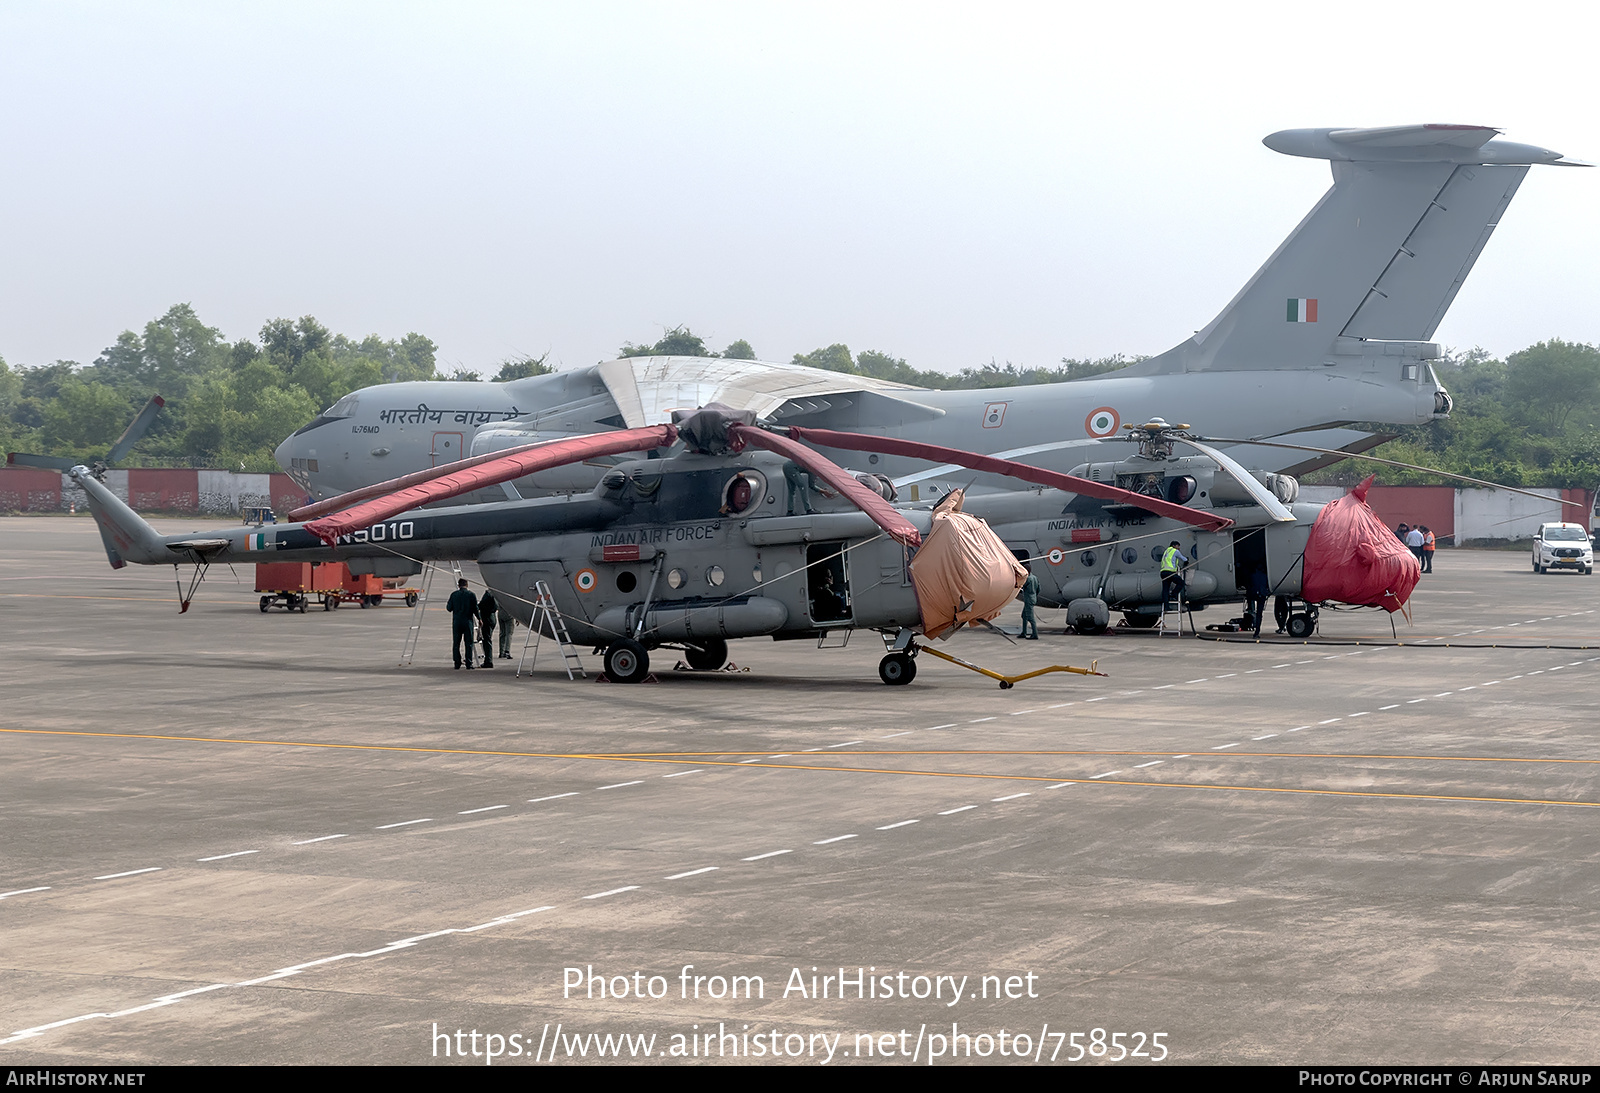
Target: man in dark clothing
{"x": 1030, "y": 597}
{"x": 487, "y": 608}
{"x": 463, "y": 608}
{"x": 1256, "y": 592}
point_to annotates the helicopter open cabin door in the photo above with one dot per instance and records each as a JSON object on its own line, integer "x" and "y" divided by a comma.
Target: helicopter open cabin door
{"x": 828, "y": 584}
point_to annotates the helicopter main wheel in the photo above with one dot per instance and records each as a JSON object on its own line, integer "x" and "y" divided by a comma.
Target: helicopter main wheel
{"x": 1301, "y": 625}
{"x": 897, "y": 669}
{"x": 266, "y": 602}
{"x": 1138, "y": 620}
{"x": 626, "y": 661}
{"x": 712, "y": 654}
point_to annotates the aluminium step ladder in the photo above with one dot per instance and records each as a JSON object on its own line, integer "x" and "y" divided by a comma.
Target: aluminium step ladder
{"x": 545, "y": 614}
{"x": 409, "y": 652}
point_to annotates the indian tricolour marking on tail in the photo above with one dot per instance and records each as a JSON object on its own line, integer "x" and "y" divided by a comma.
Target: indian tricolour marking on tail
{"x": 1302, "y": 311}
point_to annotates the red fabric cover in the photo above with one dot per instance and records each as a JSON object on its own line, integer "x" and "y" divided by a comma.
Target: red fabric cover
{"x": 885, "y": 515}
{"x": 861, "y": 442}
{"x": 1351, "y": 557}
{"x": 377, "y": 489}
{"x": 503, "y": 469}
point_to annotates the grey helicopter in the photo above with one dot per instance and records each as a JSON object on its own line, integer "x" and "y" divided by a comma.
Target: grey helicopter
{"x": 695, "y": 541}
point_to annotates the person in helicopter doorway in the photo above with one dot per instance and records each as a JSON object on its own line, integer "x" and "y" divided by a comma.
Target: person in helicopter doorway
{"x": 487, "y": 609}
{"x": 1029, "y": 594}
{"x": 463, "y": 608}
{"x": 1172, "y": 562}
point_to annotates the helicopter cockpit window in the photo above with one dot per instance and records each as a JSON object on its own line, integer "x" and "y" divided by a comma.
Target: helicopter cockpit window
{"x": 742, "y": 492}
{"x": 646, "y": 484}
{"x": 613, "y": 482}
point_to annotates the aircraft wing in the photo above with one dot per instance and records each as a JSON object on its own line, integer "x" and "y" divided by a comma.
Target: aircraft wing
{"x": 648, "y": 389}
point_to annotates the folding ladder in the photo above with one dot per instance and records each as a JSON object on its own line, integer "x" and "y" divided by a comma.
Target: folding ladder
{"x": 546, "y": 614}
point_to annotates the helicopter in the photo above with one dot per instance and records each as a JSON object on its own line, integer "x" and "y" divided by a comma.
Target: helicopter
{"x": 694, "y": 541}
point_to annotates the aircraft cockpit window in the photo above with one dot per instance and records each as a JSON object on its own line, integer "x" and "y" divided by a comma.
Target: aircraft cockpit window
{"x": 613, "y": 481}
{"x": 345, "y": 407}
{"x": 646, "y": 484}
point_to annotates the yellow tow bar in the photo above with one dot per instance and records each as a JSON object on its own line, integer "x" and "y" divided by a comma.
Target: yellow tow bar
{"x": 1007, "y": 682}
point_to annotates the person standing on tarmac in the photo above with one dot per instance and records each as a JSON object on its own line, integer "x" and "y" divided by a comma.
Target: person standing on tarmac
{"x": 487, "y": 608}
{"x": 1414, "y": 541}
{"x": 1257, "y": 590}
{"x": 1030, "y": 597}
{"x": 1429, "y": 545}
{"x": 463, "y": 608}
{"x": 508, "y": 623}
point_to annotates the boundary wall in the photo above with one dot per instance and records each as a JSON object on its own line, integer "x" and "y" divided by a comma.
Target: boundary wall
{"x": 1460, "y": 517}
{"x": 197, "y": 492}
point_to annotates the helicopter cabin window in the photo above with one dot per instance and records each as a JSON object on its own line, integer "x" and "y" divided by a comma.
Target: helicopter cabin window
{"x": 827, "y": 582}
{"x": 676, "y": 578}
{"x": 715, "y": 576}
{"x": 627, "y": 581}
{"x": 742, "y": 492}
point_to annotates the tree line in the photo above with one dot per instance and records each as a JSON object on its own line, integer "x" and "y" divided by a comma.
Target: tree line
{"x": 1532, "y": 419}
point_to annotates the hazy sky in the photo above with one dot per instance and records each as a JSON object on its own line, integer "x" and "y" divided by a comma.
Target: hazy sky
{"x": 949, "y": 183}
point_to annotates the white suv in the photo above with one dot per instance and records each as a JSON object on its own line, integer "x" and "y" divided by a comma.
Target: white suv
{"x": 1562, "y": 546}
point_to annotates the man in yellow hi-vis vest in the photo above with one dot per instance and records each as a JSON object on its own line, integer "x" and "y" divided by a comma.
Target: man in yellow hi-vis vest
{"x": 1172, "y": 562}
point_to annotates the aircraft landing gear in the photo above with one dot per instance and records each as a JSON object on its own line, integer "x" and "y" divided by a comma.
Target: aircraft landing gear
{"x": 711, "y": 655}
{"x": 1303, "y": 624}
{"x": 897, "y": 669}
{"x": 626, "y": 661}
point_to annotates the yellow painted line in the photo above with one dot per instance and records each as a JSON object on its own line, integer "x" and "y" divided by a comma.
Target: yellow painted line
{"x": 665, "y": 758}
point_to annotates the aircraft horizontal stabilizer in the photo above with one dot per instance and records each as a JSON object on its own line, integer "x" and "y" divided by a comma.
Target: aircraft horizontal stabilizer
{"x": 1413, "y": 144}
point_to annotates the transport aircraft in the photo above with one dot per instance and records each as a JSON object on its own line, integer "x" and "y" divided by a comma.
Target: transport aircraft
{"x": 1333, "y": 329}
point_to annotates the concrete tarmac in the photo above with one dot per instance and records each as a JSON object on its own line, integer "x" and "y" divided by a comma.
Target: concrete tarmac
{"x": 236, "y": 837}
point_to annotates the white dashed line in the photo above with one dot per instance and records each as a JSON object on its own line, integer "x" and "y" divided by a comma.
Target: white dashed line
{"x": 130, "y": 873}
{"x": 1102, "y": 698}
{"x": 892, "y": 735}
{"x": 1107, "y": 774}
{"x": 949, "y": 726}
{"x": 1059, "y": 785}
{"x": 1185, "y": 755}
{"x": 24, "y": 891}
{"x": 681, "y": 773}
{"x": 1363, "y": 713}
{"x": 386, "y": 827}
{"x": 757, "y": 760}
{"x": 1396, "y": 706}
{"x": 619, "y": 785}
{"x": 1019, "y": 713}
{"x": 318, "y": 839}
{"x": 768, "y": 854}
{"x": 694, "y": 872}
{"x": 902, "y": 823}
{"x": 1152, "y": 763}
{"x": 977, "y": 720}
{"x": 1299, "y": 728}
{"x": 846, "y": 744}
{"x": 1228, "y": 675}
{"x": 556, "y": 797}
{"x": 610, "y": 892}
{"x": 1253, "y": 671}
{"x": 1220, "y": 747}
{"x": 1414, "y": 701}
{"x": 953, "y": 811}
{"x": 1058, "y": 705}
{"x": 1163, "y": 687}
{"x": 1444, "y": 694}
{"x": 485, "y": 808}
{"x": 835, "y": 839}
{"x": 235, "y": 854}
{"x": 1330, "y": 721}
{"x": 1202, "y": 679}
{"x": 1280, "y": 665}
{"x": 1269, "y": 736}
{"x": 1012, "y": 797}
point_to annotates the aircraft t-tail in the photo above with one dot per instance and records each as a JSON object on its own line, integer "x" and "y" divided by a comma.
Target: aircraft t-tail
{"x": 695, "y": 540}
{"x": 1334, "y": 328}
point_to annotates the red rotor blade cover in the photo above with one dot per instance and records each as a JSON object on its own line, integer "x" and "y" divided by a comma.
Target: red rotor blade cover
{"x": 885, "y": 515}
{"x": 861, "y": 442}
{"x": 378, "y": 489}
{"x": 502, "y": 469}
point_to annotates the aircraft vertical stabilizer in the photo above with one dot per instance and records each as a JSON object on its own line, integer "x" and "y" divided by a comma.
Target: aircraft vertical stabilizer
{"x": 1381, "y": 256}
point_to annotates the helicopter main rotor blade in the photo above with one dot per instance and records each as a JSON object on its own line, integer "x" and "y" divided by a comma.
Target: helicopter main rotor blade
{"x": 885, "y": 515}
{"x": 502, "y": 468}
{"x": 1263, "y": 496}
{"x": 1387, "y": 462}
{"x": 862, "y": 442}
{"x": 43, "y": 462}
{"x": 136, "y": 429}
{"x": 415, "y": 478}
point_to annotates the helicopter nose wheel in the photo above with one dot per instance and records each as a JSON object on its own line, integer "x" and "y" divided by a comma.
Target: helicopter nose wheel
{"x": 897, "y": 669}
{"x": 626, "y": 661}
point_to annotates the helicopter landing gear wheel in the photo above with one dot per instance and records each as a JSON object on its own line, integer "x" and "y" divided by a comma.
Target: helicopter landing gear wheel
{"x": 897, "y": 669}
{"x": 1301, "y": 625}
{"x": 626, "y": 661}
{"x": 712, "y": 654}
